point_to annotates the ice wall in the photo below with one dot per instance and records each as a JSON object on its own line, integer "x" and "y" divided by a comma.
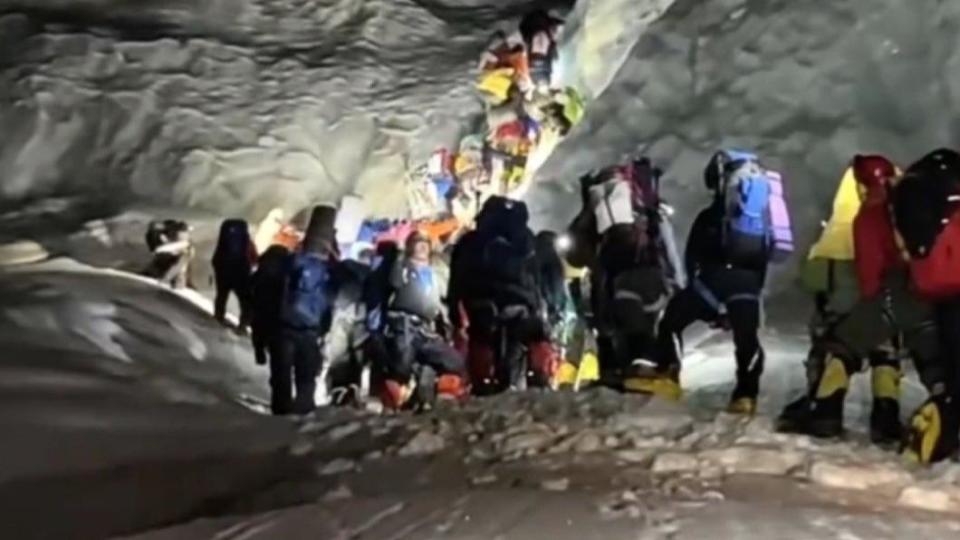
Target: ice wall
{"x": 806, "y": 83}
{"x": 240, "y": 106}
{"x": 237, "y": 106}
{"x": 597, "y": 38}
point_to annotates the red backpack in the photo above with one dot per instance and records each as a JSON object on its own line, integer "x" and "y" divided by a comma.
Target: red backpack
{"x": 925, "y": 203}
{"x": 937, "y": 275}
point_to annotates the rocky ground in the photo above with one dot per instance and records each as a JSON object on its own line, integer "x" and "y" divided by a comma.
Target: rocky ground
{"x": 145, "y": 388}
{"x": 591, "y": 465}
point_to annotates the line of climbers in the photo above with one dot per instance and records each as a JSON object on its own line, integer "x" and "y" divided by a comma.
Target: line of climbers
{"x": 495, "y": 285}
{"x": 508, "y": 319}
{"x": 527, "y": 113}
{"x": 894, "y": 238}
{"x": 884, "y": 277}
{"x": 643, "y": 296}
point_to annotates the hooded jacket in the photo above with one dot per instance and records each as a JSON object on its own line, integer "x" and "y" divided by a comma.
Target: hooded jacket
{"x": 875, "y": 248}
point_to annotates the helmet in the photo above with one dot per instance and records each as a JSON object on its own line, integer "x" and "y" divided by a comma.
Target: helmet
{"x": 873, "y": 171}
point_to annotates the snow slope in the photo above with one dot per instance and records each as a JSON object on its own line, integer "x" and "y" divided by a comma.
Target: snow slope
{"x": 116, "y": 394}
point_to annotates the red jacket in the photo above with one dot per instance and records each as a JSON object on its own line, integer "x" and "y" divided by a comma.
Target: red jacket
{"x": 875, "y": 248}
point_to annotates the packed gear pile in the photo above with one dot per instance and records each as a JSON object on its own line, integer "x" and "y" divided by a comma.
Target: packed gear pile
{"x": 527, "y": 113}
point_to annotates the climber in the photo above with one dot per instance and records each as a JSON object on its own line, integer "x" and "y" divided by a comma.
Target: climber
{"x": 159, "y": 233}
{"x": 233, "y": 261}
{"x": 266, "y": 298}
{"x": 494, "y": 297}
{"x": 830, "y": 274}
{"x": 306, "y": 315}
{"x": 504, "y": 68}
{"x": 563, "y": 111}
{"x": 553, "y": 287}
{"x": 927, "y": 220}
{"x": 887, "y": 309}
{"x": 376, "y": 294}
{"x": 173, "y": 251}
{"x": 509, "y": 145}
{"x": 579, "y": 365}
{"x": 418, "y": 366}
{"x": 540, "y": 32}
{"x": 728, "y": 250}
{"x": 623, "y": 235}
{"x": 343, "y": 350}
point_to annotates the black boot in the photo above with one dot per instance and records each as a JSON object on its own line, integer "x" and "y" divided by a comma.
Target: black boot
{"x": 885, "y": 428}
{"x": 822, "y": 414}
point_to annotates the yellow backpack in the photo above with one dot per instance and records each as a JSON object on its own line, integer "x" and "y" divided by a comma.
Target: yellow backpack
{"x": 495, "y": 84}
{"x": 836, "y": 240}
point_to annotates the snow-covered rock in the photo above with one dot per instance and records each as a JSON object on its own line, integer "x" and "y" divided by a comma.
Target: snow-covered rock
{"x": 674, "y": 462}
{"x": 861, "y": 477}
{"x": 423, "y": 443}
{"x": 635, "y": 456}
{"x": 337, "y": 466}
{"x": 931, "y": 497}
{"x": 590, "y": 442}
{"x": 754, "y": 460}
{"x": 22, "y": 252}
{"x": 556, "y": 484}
{"x": 658, "y": 418}
{"x": 527, "y": 441}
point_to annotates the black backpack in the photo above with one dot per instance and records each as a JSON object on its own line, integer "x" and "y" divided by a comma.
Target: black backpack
{"x": 924, "y": 198}
{"x": 233, "y": 244}
{"x": 506, "y": 246}
{"x": 508, "y": 263}
{"x": 505, "y": 217}
{"x": 268, "y": 281}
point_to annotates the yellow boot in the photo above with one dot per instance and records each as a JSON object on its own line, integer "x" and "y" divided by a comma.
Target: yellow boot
{"x": 589, "y": 370}
{"x": 932, "y": 434}
{"x": 660, "y": 386}
{"x": 746, "y": 406}
{"x": 566, "y": 375}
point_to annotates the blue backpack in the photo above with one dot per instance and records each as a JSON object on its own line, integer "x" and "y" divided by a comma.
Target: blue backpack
{"x": 746, "y": 191}
{"x": 306, "y": 296}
